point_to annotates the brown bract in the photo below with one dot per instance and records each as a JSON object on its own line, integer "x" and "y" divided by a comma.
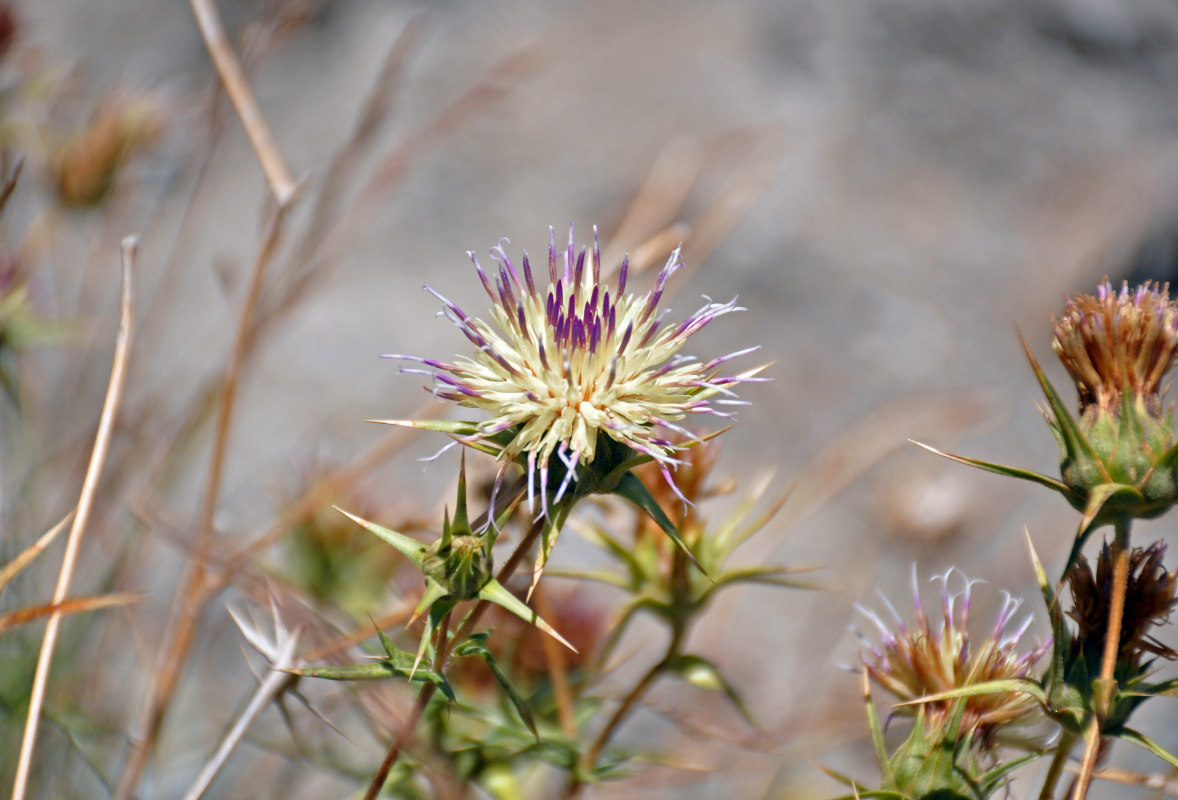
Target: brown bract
{"x": 1149, "y": 598}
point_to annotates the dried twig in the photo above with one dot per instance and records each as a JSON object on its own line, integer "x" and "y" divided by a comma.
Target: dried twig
{"x": 194, "y": 595}
{"x": 14, "y": 567}
{"x": 74, "y": 605}
{"x": 110, "y": 407}
{"x": 228, "y": 68}
{"x": 281, "y": 656}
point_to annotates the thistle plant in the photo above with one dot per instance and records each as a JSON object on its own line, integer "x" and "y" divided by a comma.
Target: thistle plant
{"x": 1118, "y": 462}
{"x": 935, "y": 671}
{"x": 598, "y": 381}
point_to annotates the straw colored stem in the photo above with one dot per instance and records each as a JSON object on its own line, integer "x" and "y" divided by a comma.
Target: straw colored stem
{"x": 110, "y": 407}
{"x": 198, "y": 589}
{"x": 1108, "y": 662}
{"x": 230, "y": 72}
{"x": 266, "y": 692}
{"x": 558, "y": 673}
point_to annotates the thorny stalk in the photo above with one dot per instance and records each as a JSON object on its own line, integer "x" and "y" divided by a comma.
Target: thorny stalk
{"x": 194, "y": 594}
{"x": 442, "y": 655}
{"x": 110, "y": 407}
{"x": 1108, "y": 661}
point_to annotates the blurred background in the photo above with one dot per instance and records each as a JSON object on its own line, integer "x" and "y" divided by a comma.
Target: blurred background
{"x": 895, "y": 190}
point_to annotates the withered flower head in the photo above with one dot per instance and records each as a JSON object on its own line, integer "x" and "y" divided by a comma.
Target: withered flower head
{"x": 86, "y": 167}
{"x": 1149, "y": 598}
{"x": 1118, "y": 343}
{"x": 928, "y": 659}
{"x": 561, "y": 369}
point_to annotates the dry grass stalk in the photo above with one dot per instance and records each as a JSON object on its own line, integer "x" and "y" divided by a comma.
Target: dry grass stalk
{"x": 110, "y": 407}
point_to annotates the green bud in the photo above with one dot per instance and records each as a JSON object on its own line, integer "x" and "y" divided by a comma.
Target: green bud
{"x": 936, "y": 764}
{"x": 460, "y": 565}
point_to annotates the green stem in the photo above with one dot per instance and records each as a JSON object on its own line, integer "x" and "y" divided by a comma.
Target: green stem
{"x": 1064, "y": 749}
{"x": 442, "y": 656}
{"x": 681, "y": 597}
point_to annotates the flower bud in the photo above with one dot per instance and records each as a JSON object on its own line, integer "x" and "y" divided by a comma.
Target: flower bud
{"x": 1120, "y": 450}
{"x": 460, "y": 564}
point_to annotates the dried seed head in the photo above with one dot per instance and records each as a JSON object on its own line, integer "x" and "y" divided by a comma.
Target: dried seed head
{"x": 1149, "y": 598}
{"x": 86, "y": 167}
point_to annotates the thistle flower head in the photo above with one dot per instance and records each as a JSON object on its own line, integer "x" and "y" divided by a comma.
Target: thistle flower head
{"x": 1117, "y": 343}
{"x": 569, "y": 369}
{"x": 1149, "y": 598}
{"x": 928, "y": 659}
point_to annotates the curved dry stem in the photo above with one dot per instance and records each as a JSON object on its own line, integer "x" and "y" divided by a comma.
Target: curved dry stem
{"x": 110, "y": 407}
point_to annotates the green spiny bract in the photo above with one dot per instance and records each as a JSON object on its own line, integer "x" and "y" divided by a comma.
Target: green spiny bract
{"x": 461, "y": 565}
{"x": 1118, "y": 456}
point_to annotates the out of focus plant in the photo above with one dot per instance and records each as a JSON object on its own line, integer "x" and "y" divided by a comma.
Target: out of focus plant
{"x": 1117, "y": 464}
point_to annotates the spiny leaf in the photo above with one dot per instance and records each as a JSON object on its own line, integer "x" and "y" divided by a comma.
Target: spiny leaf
{"x": 595, "y": 576}
{"x": 454, "y": 427}
{"x": 459, "y": 429}
{"x": 1098, "y": 498}
{"x": 476, "y": 645}
{"x": 548, "y": 537}
{"x": 771, "y": 576}
{"x": 1012, "y": 472}
{"x": 994, "y": 779}
{"x": 1140, "y": 739}
{"x": 1003, "y": 686}
{"x": 437, "y": 611}
{"x": 434, "y": 592}
{"x": 1074, "y": 440}
{"x": 374, "y": 670}
{"x": 385, "y": 642}
{"x": 876, "y": 731}
{"x": 494, "y": 592}
{"x": 618, "y": 550}
{"x": 636, "y": 492}
{"x": 410, "y": 548}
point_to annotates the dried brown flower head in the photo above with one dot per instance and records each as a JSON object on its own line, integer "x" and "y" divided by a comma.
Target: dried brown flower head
{"x": 1115, "y": 342}
{"x": 1149, "y": 598}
